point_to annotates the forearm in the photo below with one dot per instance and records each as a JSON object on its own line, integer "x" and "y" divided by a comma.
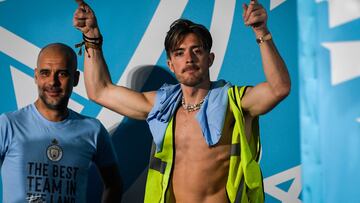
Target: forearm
{"x": 111, "y": 178}
{"x": 96, "y": 73}
{"x": 111, "y": 195}
{"x": 265, "y": 96}
{"x": 275, "y": 70}
{"x": 98, "y": 82}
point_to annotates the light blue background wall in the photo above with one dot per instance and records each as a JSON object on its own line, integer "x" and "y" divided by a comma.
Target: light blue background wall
{"x": 25, "y": 26}
{"x": 329, "y": 54}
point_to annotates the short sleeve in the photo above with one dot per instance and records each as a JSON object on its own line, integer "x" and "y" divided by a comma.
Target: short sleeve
{"x": 5, "y": 135}
{"x": 105, "y": 153}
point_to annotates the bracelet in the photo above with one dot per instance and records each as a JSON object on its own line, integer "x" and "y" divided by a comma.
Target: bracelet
{"x": 264, "y": 38}
{"x": 94, "y": 39}
{"x": 94, "y": 43}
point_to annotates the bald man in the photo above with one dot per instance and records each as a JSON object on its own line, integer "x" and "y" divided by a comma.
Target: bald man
{"x": 46, "y": 148}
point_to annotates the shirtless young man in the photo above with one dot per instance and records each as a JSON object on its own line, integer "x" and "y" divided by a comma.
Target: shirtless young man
{"x": 200, "y": 169}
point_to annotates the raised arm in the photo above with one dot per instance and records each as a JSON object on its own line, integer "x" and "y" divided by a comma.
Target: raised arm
{"x": 99, "y": 86}
{"x": 265, "y": 96}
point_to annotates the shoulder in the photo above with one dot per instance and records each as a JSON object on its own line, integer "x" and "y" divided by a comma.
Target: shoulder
{"x": 168, "y": 88}
{"x": 17, "y": 115}
{"x": 84, "y": 120}
{"x": 4, "y": 119}
{"x": 242, "y": 90}
{"x": 167, "y": 91}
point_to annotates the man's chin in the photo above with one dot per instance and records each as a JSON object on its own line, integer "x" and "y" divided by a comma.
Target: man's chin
{"x": 53, "y": 104}
{"x": 192, "y": 82}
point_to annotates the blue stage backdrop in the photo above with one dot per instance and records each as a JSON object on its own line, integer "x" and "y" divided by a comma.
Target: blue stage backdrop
{"x": 133, "y": 46}
{"x": 329, "y": 58}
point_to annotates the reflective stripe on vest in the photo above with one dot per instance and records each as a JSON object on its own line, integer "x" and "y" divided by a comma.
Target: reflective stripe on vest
{"x": 244, "y": 182}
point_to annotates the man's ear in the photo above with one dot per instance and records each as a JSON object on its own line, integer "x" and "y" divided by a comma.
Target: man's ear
{"x": 211, "y": 58}
{"x": 170, "y": 64}
{"x": 35, "y": 75}
{"x": 76, "y": 78}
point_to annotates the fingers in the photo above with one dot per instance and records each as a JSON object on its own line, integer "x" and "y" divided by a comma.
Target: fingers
{"x": 254, "y": 12}
{"x": 245, "y": 7}
{"x": 256, "y": 17}
{"x": 251, "y": 8}
{"x": 85, "y": 20}
{"x": 81, "y": 15}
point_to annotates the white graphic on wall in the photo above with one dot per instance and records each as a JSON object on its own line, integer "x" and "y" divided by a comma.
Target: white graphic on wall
{"x": 220, "y": 30}
{"x": 293, "y": 193}
{"x": 275, "y": 3}
{"x": 344, "y": 60}
{"x": 342, "y": 11}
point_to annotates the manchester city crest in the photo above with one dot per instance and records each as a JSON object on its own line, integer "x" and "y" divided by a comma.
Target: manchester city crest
{"x": 54, "y": 151}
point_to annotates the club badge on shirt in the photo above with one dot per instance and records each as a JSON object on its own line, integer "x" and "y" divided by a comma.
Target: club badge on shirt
{"x": 54, "y": 151}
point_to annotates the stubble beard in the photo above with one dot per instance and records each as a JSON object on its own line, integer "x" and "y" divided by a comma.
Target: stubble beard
{"x": 52, "y": 103}
{"x": 193, "y": 80}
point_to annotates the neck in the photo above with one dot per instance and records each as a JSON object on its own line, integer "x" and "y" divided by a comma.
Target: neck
{"x": 54, "y": 115}
{"x": 194, "y": 95}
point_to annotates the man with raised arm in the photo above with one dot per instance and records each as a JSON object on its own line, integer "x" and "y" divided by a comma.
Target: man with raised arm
{"x": 46, "y": 148}
{"x": 206, "y": 132}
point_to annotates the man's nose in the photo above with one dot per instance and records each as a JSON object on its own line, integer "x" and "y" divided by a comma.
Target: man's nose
{"x": 54, "y": 79}
{"x": 189, "y": 56}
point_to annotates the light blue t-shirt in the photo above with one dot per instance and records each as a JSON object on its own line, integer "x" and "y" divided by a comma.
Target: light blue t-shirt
{"x": 48, "y": 160}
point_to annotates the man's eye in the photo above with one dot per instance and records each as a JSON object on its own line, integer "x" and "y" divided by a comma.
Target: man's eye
{"x": 63, "y": 74}
{"x": 198, "y": 51}
{"x": 44, "y": 73}
{"x": 178, "y": 53}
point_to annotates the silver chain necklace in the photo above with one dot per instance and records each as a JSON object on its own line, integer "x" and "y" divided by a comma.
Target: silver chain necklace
{"x": 191, "y": 107}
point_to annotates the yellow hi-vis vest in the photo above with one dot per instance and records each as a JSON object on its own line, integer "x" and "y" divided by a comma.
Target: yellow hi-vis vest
{"x": 244, "y": 183}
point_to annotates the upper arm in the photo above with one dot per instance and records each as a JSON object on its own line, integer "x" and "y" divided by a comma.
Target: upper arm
{"x": 106, "y": 162}
{"x": 5, "y": 134}
{"x": 112, "y": 183}
{"x": 127, "y": 102}
{"x": 260, "y": 99}
{"x": 110, "y": 176}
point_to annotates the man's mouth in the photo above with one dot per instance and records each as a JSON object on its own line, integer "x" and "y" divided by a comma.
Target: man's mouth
{"x": 190, "y": 69}
{"x": 53, "y": 92}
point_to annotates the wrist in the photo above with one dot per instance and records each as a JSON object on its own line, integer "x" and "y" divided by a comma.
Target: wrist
{"x": 261, "y": 32}
{"x": 93, "y": 33}
{"x": 93, "y": 40}
{"x": 264, "y": 38}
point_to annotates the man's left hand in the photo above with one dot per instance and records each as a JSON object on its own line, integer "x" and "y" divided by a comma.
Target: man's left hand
{"x": 255, "y": 15}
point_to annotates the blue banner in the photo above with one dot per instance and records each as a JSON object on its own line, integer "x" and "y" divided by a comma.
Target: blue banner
{"x": 329, "y": 46}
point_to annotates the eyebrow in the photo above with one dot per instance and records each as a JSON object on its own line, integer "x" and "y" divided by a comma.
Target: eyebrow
{"x": 192, "y": 47}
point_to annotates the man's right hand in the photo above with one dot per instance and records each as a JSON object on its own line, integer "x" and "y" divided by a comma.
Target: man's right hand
{"x": 85, "y": 20}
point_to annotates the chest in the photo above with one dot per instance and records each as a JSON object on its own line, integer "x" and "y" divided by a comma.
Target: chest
{"x": 51, "y": 145}
{"x": 189, "y": 140}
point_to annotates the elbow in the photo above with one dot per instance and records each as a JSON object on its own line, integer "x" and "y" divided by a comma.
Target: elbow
{"x": 92, "y": 96}
{"x": 96, "y": 94}
{"x": 283, "y": 90}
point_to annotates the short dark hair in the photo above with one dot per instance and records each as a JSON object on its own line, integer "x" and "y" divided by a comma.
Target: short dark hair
{"x": 180, "y": 28}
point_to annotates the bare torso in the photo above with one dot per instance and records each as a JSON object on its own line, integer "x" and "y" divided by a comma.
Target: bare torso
{"x": 200, "y": 172}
